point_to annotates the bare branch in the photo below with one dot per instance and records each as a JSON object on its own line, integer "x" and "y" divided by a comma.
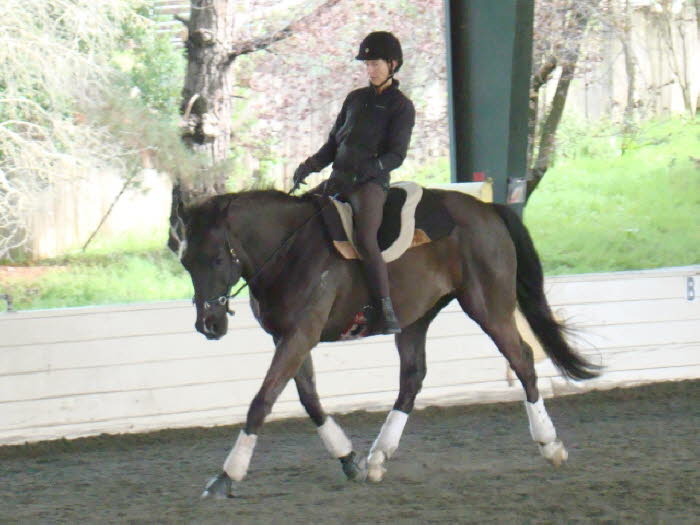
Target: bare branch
{"x": 109, "y": 210}
{"x": 257, "y": 44}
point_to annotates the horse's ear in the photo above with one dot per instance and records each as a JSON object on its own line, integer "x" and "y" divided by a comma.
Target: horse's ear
{"x": 177, "y": 239}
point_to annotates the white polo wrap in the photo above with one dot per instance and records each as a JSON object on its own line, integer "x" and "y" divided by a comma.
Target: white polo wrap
{"x": 334, "y": 439}
{"x": 388, "y": 439}
{"x": 236, "y": 464}
{"x": 541, "y": 426}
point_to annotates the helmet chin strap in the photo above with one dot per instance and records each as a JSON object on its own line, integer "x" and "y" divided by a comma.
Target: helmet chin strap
{"x": 390, "y": 77}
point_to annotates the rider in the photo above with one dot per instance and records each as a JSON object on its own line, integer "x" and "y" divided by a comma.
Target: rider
{"x": 369, "y": 139}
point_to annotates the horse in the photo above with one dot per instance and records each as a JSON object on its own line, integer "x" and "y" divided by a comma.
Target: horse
{"x": 303, "y": 292}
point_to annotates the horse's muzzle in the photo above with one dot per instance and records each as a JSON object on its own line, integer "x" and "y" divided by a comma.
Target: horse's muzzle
{"x": 213, "y": 327}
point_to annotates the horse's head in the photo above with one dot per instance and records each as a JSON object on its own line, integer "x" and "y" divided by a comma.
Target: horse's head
{"x": 200, "y": 238}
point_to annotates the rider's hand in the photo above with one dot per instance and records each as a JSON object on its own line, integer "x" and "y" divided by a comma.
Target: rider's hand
{"x": 302, "y": 171}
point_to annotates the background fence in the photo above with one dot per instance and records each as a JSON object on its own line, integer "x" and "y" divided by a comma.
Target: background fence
{"x": 85, "y": 371}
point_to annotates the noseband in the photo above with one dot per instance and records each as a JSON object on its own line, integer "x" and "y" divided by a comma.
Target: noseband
{"x": 224, "y": 299}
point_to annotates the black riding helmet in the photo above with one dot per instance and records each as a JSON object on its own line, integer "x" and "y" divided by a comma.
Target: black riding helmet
{"x": 381, "y": 45}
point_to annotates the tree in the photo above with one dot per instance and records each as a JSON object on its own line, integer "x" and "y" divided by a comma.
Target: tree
{"x": 626, "y": 40}
{"x": 54, "y": 66}
{"x": 85, "y": 88}
{"x": 670, "y": 18}
{"x": 560, "y": 29}
{"x": 206, "y": 106}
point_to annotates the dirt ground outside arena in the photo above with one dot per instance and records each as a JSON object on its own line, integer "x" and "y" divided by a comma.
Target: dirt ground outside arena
{"x": 634, "y": 458}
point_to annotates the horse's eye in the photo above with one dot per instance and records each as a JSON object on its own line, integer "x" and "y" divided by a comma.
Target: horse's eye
{"x": 218, "y": 261}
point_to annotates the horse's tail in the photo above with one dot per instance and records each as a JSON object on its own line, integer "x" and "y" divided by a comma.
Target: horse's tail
{"x": 533, "y": 303}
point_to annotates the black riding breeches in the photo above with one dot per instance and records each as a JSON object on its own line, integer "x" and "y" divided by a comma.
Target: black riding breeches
{"x": 367, "y": 201}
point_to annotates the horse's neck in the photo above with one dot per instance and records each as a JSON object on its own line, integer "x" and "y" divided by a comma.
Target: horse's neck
{"x": 264, "y": 226}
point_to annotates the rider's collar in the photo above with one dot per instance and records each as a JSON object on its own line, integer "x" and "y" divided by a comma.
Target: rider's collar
{"x": 394, "y": 85}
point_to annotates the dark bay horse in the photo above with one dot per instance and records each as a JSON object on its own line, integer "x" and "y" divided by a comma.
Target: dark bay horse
{"x": 302, "y": 292}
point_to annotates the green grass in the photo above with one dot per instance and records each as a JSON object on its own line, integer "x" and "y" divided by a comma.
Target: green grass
{"x": 129, "y": 268}
{"x": 122, "y": 278}
{"x": 594, "y": 211}
{"x": 635, "y": 211}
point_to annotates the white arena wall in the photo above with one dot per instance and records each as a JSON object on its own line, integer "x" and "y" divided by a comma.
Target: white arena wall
{"x": 117, "y": 369}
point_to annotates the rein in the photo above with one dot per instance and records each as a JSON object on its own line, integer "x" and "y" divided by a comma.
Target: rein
{"x": 224, "y": 299}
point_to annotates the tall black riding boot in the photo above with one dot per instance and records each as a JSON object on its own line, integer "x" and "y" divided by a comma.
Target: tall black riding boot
{"x": 391, "y": 323}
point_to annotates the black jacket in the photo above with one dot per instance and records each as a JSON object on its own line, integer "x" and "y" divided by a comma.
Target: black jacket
{"x": 370, "y": 136}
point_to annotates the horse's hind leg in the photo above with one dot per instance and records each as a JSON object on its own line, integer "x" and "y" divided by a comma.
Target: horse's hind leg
{"x": 411, "y": 346}
{"x": 334, "y": 439}
{"x": 541, "y": 427}
{"x": 502, "y": 328}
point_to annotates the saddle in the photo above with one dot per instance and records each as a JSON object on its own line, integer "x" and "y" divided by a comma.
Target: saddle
{"x": 412, "y": 216}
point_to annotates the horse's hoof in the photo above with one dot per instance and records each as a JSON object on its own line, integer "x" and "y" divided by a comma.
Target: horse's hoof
{"x": 375, "y": 467}
{"x": 554, "y": 452}
{"x": 218, "y": 488}
{"x": 354, "y": 470}
{"x": 375, "y": 473}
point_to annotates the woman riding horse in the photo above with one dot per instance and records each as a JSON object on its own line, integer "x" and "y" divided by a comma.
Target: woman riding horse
{"x": 369, "y": 139}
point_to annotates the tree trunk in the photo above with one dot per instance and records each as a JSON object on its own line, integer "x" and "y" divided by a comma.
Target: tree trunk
{"x": 628, "y": 128}
{"x": 538, "y": 80}
{"x": 678, "y": 65}
{"x": 684, "y": 77}
{"x": 577, "y": 27}
{"x": 206, "y": 95}
{"x": 549, "y": 128}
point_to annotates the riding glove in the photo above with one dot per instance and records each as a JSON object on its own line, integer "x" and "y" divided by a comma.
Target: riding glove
{"x": 302, "y": 171}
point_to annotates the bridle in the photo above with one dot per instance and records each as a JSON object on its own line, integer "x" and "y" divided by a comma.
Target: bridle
{"x": 223, "y": 300}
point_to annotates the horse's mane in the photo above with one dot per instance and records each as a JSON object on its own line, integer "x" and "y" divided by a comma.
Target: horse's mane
{"x": 207, "y": 214}
{"x": 267, "y": 195}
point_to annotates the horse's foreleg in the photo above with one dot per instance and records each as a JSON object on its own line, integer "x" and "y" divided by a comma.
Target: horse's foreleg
{"x": 289, "y": 356}
{"x": 334, "y": 439}
{"x": 411, "y": 345}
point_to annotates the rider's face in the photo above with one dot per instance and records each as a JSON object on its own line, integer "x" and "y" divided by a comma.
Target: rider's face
{"x": 377, "y": 71}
